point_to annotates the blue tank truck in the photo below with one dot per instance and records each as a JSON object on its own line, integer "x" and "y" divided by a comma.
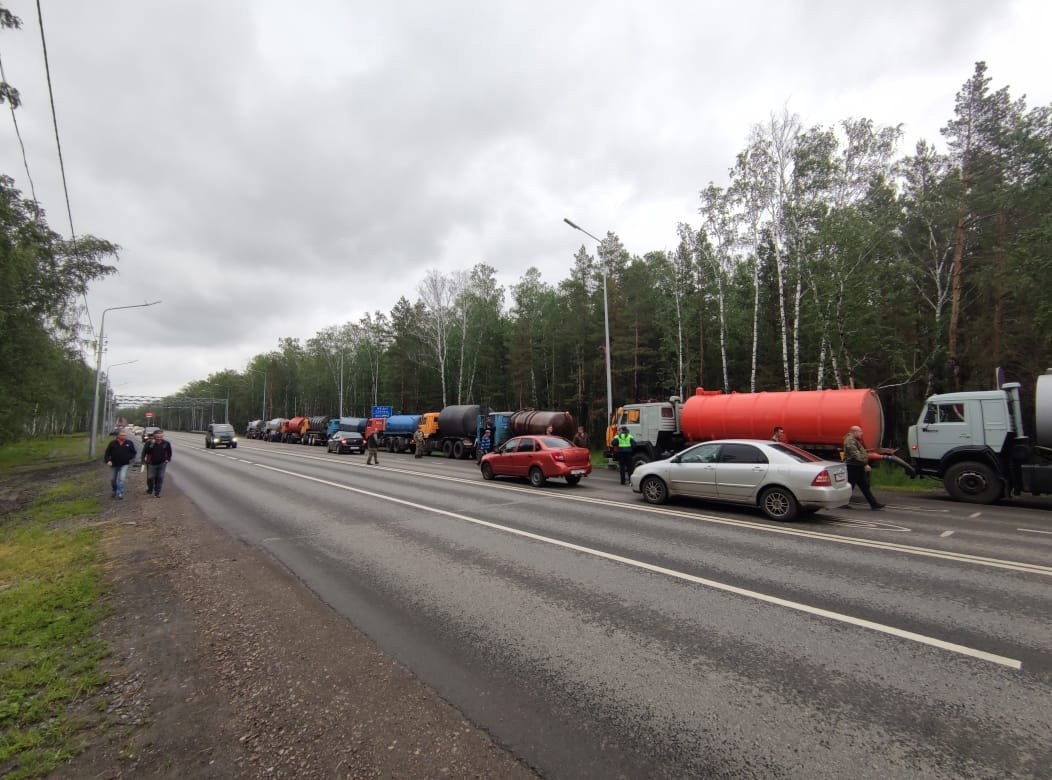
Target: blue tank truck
{"x": 397, "y": 432}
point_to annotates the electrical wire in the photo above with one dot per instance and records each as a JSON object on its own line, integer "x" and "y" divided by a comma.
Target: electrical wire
{"x": 58, "y": 144}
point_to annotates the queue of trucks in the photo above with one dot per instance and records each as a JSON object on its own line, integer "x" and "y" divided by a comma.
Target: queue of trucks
{"x": 455, "y": 431}
{"x": 974, "y": 441}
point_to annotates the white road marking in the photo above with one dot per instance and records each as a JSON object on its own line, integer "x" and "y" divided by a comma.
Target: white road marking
{"x": 997, "y": 563}
{"x": 1033, "y": 531}
{"x": 944, "y": 534}
{"x": 971, "y": 652}
{"x": 974, "y": 515}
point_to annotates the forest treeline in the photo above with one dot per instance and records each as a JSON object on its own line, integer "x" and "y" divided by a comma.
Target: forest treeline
{"x": 827, "y": 258}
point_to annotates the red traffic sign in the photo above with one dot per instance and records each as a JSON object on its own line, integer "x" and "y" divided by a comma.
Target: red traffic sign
{"x": 149, "y": 415}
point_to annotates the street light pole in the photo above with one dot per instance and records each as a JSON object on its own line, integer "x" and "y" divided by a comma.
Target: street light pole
{"x": 257, "y": 371}
{"x": 98, "y": 371}
{"x": 107, "y": 407}
{"x": 606, "y": 327}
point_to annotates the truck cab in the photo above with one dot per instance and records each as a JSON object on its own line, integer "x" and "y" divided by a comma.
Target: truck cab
{"x": 654, "y": 427}
{"x": 972, "y": 441}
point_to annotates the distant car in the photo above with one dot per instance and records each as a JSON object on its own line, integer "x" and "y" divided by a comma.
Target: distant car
{"x": 220, "y": 435}
{"x": 148, "y": 431}
{"x": 782, "y": 480}
{"x": 538, "y": 458}
{"x": 347, "y": 441}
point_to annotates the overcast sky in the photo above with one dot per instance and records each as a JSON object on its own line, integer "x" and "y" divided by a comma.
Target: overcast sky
{"x": 270, "y": 169}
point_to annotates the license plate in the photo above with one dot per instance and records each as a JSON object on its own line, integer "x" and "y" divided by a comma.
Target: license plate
{"x": 577, "y": 472}
{"x": 840, "y": 476}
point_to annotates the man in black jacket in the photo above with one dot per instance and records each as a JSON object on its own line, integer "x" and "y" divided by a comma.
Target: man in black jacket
{"x": 119, "y": 453}
{"x": 156, "y": 457}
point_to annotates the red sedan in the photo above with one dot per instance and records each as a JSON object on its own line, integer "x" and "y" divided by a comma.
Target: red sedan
{"x": 538, "y": 458}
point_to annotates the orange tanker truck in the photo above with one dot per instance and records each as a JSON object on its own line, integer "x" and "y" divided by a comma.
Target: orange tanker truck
{"x": 815, "y": 420}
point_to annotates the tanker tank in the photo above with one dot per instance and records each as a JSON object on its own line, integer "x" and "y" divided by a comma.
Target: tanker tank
{"x": 815, "y": 419}
{"x": 460, "y": 420}
{"x": 401, "y": 424}
{"x": 529, "y": 421}
{"x": 354, "y": 424}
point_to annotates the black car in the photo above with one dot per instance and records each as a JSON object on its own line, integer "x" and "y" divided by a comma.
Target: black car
{"x": 220, "y": 435}
{"x": 347, "y": 441}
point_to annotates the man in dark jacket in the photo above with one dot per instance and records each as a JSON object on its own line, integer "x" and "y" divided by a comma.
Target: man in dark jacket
{"x": 156, "y": 457}
{"x": 119, "y": 454}
{"x": 857, "y": 459}
{"x": 372, "y": 446}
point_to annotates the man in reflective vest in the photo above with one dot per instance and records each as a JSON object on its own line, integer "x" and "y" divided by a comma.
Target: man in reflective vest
{"x": 624, "y": 441}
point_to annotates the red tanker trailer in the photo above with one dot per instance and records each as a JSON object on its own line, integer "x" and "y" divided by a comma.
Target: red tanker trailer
{"x": 816, "y": 420}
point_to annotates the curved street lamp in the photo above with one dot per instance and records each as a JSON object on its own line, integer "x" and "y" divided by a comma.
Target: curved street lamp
{"x": 606, "y": 326}
{"x": 98, "y": 371}
{"x": 106, "y": 406}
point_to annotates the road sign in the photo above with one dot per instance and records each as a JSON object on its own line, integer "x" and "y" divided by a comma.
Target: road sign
{"x": 382, "y": 411}
{"x": 149, "y": 415}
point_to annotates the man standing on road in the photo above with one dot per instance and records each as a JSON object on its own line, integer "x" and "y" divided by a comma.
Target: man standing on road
{"x": 625, "y": 441}
{"x": 858, "y": 468}
{"x": 580, "y": 438}
{"x": 418, "y": 441}
{"x": 372, "y": 444}
{"x": 156, "y": 457}
{"x": 119, "y": 454}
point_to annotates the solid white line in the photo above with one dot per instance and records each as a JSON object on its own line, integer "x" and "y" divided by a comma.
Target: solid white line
{"x": 997, "y": 563}
{"x": 944, "y": 534}
{"x": 974, "y": 515}
{"x": 972, "y": 652}
{"x": 1033, "y": 531}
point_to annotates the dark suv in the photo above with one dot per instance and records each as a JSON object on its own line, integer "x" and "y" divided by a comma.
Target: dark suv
{"x": 220, "y": 435}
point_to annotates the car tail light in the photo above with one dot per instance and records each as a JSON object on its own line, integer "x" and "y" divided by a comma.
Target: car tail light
{"x": 822, "y": 480}
{"x": 558, "y": 456}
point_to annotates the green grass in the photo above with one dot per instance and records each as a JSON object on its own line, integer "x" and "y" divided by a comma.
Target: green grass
{"x": 50, "y": 602}
{"x": 887, "y": 476}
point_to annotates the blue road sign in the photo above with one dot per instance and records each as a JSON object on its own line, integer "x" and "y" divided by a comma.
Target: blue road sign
{"x": 382, "y": 411}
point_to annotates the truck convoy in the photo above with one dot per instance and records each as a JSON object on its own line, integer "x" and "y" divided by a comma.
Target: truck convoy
{"x": 974, "y": 442}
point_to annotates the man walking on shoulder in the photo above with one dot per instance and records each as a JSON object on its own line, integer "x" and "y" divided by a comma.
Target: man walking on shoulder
{"x": 156, "y": 457}
{"x": 857, "y": 459}
{"x": 119, "y": 454}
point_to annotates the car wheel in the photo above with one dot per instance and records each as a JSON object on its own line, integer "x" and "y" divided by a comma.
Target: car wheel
{"x": 487, "y": 471}
{"x": 537, "y": 477}
{"x": 780, "y": 504}
{"x": 654, "y": 490}
{"x": 233, "y": 446}
{"x": 974, "y": 482}
{"x": 573, "y": 479}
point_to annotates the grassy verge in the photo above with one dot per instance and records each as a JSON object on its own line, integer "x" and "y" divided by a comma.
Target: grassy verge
{"x": 50, "y": 587}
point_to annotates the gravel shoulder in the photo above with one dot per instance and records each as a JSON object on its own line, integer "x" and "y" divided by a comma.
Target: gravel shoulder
{"x": 225, "y": 665}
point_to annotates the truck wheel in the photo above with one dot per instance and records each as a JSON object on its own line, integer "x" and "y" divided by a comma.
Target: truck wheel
{"x": 974, "y": 482}
{"x": 639, "y": 459}
{"x": 780, "y": 504}
{"x": 487, "y": 471}
{"x": 537, "y": 477}
{"x": 447, "y": 449}
{"x": 654, "y": 490}
{"x": 458, "y": 450}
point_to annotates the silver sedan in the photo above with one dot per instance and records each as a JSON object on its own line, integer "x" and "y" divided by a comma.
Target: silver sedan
{"x": 782, "y": 480}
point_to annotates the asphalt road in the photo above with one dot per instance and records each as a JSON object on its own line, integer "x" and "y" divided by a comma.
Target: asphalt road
{"x": 596, "y": 636}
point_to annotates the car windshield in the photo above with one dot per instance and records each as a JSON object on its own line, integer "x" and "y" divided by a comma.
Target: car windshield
{"x": 795, "y": 453}
{"x": 222, "y": 428}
